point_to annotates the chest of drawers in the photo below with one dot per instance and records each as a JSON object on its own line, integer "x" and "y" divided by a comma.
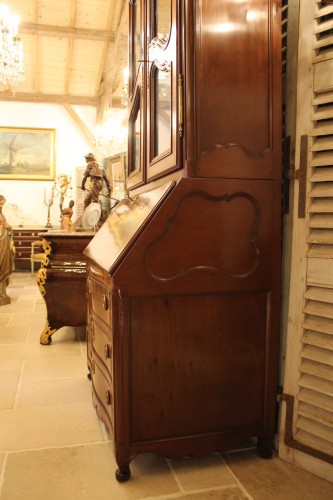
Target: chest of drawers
{"x": 23, "y": 237}
{"x": 100, "y": 345}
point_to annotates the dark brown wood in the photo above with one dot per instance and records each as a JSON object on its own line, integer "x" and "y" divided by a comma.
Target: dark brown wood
{"x": 62, "y": 281}
{"x": 184, "y": 276}
{"x": 23, "y": 237}
{"x": 300, "y": 174}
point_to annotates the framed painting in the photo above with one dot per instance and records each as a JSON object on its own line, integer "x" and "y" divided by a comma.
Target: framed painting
{"x": 116, "y": 172}
{"x": 27, "y": 153}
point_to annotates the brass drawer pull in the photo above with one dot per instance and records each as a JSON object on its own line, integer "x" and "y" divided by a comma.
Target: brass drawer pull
{"x": 106, "y": 351}
{"x": 105, "y": 302}
{"x": 107, "y": 397}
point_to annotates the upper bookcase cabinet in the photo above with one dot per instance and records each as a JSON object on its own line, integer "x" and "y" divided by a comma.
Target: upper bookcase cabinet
{"x": 155, "y": 90}
{"x": 205, "y": 89}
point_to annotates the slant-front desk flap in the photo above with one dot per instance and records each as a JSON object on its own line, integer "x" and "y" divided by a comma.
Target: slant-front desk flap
{"x": 123, "y": 227}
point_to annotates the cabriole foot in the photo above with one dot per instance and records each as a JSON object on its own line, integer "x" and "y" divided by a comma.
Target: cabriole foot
{"x": 123, "y": 475}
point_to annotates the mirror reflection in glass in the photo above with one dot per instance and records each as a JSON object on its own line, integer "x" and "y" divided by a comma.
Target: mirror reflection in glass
{"x": 162, "y": 108}
{"x": 162, "y": 19}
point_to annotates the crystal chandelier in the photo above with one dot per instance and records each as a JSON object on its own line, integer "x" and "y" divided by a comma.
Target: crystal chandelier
{"x": 11, "y": 50}
{"x": 111, "y": 135}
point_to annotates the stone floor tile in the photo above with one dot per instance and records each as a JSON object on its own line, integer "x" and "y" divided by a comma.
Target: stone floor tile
{"x": 50, "y": 426}
{"x": 203, "y": 473}
{"x": 9, "y": 377}
{"x": 283, "y": 481}
{"x": 51, "y": 368}
{"x": 53, "y": 392}
{"x": 14, "y": 334}
{"x": 83, "y": 472}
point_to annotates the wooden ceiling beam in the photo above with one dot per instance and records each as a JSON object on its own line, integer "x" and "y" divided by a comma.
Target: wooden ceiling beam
{"x": 58, "y": 99}
{"x": 49, "y": 98}
{"x": 66, "y": 31}
{"x": 80, "y": 123}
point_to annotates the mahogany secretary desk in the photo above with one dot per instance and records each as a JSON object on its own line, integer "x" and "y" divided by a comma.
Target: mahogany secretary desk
{"x": 184, "y": 276}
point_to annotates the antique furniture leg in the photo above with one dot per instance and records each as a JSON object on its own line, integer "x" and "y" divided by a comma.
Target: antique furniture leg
{"x": 123, "y": 473}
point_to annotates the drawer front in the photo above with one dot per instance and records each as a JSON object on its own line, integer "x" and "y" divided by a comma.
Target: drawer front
{"x": 102, "y": 345}
{"x": 101, "y": 301}
{"x": 103, "y": 395}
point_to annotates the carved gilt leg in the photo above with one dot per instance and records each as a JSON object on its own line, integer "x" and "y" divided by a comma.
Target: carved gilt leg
{"x": 46, "y": 335}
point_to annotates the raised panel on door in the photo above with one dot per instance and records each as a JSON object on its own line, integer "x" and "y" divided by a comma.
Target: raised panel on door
{"x": 236, "y": 71}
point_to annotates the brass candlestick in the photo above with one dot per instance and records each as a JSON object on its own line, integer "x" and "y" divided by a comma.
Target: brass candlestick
{"x": 48, "y": 203}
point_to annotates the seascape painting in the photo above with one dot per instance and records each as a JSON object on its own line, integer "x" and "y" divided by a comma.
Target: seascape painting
{"x": 27, "y": 153}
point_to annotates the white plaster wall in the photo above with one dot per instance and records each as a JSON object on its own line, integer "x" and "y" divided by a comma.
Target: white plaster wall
{"x": 27, "y": 197}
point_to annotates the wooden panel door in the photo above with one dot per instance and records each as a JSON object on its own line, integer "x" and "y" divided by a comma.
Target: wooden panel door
{"x": 233, "y": 89}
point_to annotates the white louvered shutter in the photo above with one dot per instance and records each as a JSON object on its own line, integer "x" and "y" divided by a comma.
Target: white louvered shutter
{"x": 306, "y": 435}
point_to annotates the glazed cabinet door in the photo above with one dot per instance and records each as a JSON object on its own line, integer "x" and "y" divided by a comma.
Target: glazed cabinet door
{"x": 156, "y": 84}
{"x": 137, "y": 77}
{"x": 163, "y": 78}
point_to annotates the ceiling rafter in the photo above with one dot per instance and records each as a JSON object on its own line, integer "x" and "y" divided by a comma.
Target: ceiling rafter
{"x": 36, "y": 74}
{"x": 70, "y": 48}
{"x": 49, "y": 98}
{"x": 66, "y": 32}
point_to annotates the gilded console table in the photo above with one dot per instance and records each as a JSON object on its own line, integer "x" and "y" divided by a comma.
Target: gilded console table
{"x": 62, "y": 280}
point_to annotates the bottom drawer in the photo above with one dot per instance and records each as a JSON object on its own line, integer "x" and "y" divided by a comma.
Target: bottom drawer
{"x": 102, "y": 396}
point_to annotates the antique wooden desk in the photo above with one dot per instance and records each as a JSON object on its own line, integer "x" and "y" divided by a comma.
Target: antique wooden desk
{"x": 62, "y": 280}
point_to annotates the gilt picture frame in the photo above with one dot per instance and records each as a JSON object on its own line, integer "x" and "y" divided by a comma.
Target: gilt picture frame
{"x": 116, "y": 172}
{"x": 27, "y": 153}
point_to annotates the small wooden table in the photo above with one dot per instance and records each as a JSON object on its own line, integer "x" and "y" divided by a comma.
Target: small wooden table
{"x": 62, "y": 280}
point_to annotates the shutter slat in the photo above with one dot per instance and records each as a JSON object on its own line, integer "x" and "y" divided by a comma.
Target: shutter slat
{"x": 322, "y": 190}
{"x": 322, "y": 325}
{"x": 317, "y": 370}
{"x": 321, "y": 236}
{"x": 314, "y": 413}
{"x": 321, "y": 386}
{"x": 323, "y": 143}
{"x": 315, "y": 442}
{"x": 317, "y": 339}
{"x": 324, "y": 11}
{"x": 323, "y": 41}
{"x": 319, "y": 309}
{"x": 316, "y": 399}
{"x": 323, "y": 128}
{"x": 320, "y": 294}
{"x": 322, "y": 174}
{"x": 324, "y": 221}
{"x": 323, "y": 113}
{"x": 321, "y": 205}
{"x": 315, "y": 429}
{"x": 325, "y": 98}
{"x": 320, "y": 251}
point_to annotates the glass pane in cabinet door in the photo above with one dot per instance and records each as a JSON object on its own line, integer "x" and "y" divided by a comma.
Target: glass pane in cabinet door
{"x": 137, "y": 141}
{"x": 162, "y": 19}
{"x": 162, "y": 112}
{"x": 134, "y": 162}
{"x": 138, "y": 47}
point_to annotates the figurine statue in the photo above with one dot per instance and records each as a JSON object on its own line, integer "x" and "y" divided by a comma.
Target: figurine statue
{"x": 97, "y": 176}
{"x": 67, "y": 213}
{"x": 6, "y": 254}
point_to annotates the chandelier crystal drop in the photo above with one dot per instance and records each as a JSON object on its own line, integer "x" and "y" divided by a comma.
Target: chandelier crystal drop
{"x": 11, "y": 50}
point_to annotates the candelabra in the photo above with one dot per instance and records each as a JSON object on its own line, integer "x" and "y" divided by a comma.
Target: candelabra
{"x": 62, "y": 187}
{"x": 48, "y": 203}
